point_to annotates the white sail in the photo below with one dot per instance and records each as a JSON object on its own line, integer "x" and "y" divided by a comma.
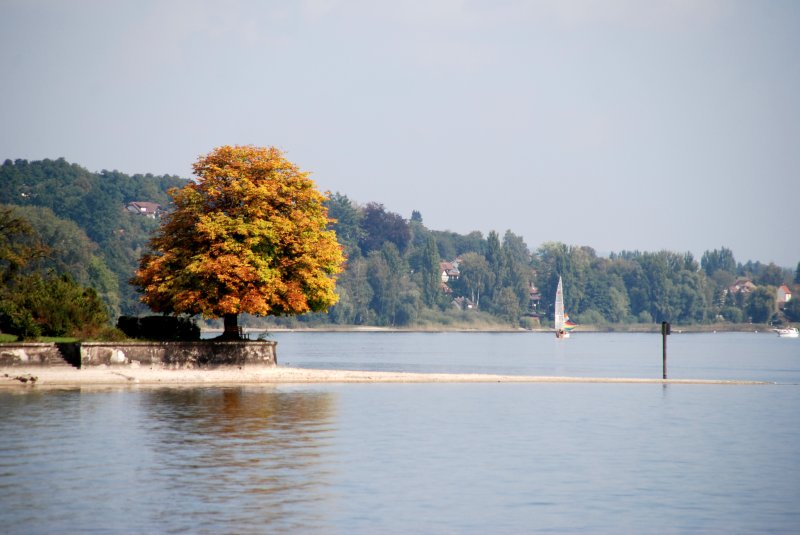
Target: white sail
{"x": 559, "y": 308}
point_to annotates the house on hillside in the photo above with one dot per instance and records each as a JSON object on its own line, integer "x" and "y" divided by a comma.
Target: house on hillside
{"x": 449, "y": 271}
{"x": 147, "y": 209}
{"x": 784, "y": 295}
{"x": 534, "y": 298}
{"x": 744, "y": 286}
{"x": 464, "y": 303}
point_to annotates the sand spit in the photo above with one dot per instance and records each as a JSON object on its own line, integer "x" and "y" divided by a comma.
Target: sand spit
{"x": 140, "y": 375}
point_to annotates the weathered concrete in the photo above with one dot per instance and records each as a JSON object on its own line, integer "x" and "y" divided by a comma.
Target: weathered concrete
{"x": 31, "y": 354}
{"x": 178, "y": 355}
{"x": 202, "y": 354}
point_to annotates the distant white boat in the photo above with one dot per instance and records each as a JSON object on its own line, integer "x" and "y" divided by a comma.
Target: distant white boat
{"x": 562, "y": 323}
{"x": 789, "y": 332}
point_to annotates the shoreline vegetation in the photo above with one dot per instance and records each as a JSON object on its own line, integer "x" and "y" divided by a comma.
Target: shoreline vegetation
{"x": 614, "y": 328}
{"x": 135, "y": 375}
{"x": 72, "y": 260}
{"x": 255, "y": 332}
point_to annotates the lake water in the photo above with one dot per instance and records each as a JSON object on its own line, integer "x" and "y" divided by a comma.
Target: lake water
{"x": 424, "y": 458}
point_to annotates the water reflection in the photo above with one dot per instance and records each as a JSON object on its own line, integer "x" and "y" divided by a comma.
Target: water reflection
{"x": 249, "y": 456}
{"x": 166, "y": 460}
{"x": 422, "y": 458}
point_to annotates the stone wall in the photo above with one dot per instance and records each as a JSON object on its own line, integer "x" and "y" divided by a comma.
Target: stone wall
{"x": 202, "y": 354}
{"x": 33, "y": 354}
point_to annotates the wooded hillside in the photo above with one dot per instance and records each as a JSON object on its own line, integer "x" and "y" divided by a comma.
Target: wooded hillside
{"x": 394, "y": 273}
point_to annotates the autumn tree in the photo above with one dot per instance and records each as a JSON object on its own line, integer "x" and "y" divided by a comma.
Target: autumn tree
{"x": 69, "y": 250}
{"x": 248, "y": 237}
{"x": 38, "y": 295}
{"x": 15, "y": 249}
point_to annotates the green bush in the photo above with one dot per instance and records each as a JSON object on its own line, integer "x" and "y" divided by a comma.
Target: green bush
{"x": 732, "y": 314}
{"x": 159, "y": 327}
{"x": 36, "y": 305}
{"x": 18, "y": 321}
{"x": 590, "y": 317}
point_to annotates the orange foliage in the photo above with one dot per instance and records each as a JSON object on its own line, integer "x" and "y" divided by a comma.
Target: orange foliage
{"x": 249, "y": 237}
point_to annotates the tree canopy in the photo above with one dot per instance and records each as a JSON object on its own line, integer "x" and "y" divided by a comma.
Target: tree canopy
{"x": 392, "y": 276}
{"x": 39, "y": 256}
{"x": 250, "y": 236}
{"x": 96, "y": 203}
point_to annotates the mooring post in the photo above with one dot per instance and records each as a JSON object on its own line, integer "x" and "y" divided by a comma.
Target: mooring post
{"x": 665, "y": 331}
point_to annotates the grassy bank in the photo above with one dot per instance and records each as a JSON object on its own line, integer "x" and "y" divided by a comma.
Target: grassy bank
{"x": 44, "y": 339}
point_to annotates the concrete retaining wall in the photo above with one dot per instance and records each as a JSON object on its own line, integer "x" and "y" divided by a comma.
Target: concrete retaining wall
{"x": 31, "y": 354}
{"x": 202, "y": 354}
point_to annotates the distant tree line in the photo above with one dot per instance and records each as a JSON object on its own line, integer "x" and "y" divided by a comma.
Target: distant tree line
{"x": 393, "y": 277}
{"x": 393, "y": 274}
{"x": 645, "y": 287}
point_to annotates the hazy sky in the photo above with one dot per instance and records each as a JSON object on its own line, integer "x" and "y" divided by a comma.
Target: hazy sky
{"x": 620, "y": 125}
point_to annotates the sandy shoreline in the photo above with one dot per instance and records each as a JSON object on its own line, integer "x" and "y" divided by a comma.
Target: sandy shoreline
{"x": 27, "y": 377}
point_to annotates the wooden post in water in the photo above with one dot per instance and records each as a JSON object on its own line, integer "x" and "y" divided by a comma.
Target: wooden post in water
{"x": 665, "y": 331}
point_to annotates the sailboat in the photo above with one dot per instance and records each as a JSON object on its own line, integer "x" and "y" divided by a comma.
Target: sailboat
{"x": 563, "y": 325}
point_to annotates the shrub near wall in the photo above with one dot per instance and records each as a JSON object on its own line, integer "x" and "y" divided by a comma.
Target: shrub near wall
{"x": 161, "y": 328}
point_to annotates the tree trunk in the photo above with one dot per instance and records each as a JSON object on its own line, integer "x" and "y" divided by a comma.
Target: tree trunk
{"x": 231, "y": 331}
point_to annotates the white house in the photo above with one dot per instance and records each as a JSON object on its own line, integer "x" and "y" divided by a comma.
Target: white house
{"x": 148, "y": 209}
{"x": 449, "y": 271}
{"x": 784, "y": 294}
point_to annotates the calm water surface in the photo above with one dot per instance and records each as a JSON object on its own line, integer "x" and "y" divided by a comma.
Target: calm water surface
{"x": 746, "y": 356}
{"x": 423, "y": 458}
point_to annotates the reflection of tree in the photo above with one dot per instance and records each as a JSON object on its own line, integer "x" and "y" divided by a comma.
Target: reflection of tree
{"x": 244, "y": 457}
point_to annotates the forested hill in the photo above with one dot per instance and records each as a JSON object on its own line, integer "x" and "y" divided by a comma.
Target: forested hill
{"x": 394, "y": 274}
{"x": 394, "y": 270}
{"x": 96, "y": 203}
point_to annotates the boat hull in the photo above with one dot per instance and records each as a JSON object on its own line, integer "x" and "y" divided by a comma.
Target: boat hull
{"x": 788, "y": 333}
